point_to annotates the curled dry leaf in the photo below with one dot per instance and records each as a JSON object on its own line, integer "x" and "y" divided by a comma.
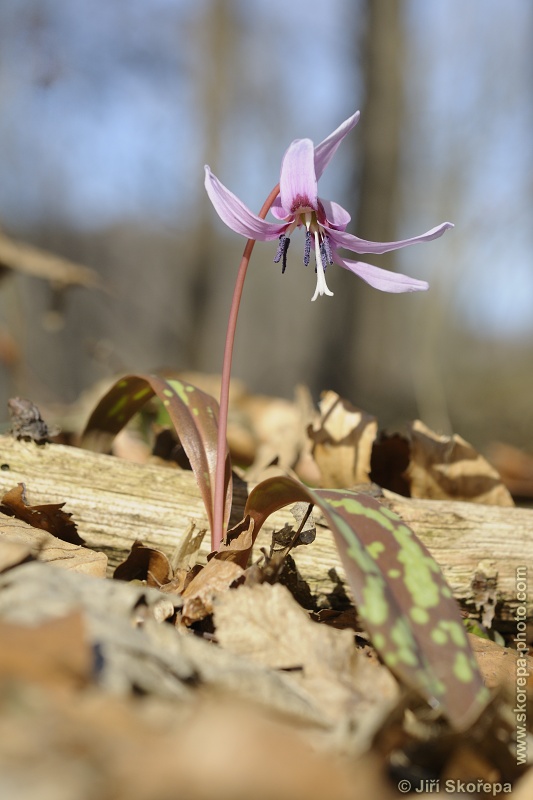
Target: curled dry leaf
{"x": 342, "y": 438}
{"x": 186, "y": 554}
{"x": 145, "y": 564}
{"x": 423, "y": 465}
{"x": 447, "y": 467}
{"x": 154, "y": 568}
{"x": 47, "y": 517}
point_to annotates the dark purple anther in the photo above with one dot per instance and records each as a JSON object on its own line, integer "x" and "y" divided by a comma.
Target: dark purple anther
{"x": 281, "y": 254}
{"x": 281, "y": 248}
{"x": 327, "y": 250}
{"x": 307, "y": 250}
{"x": 323, "y": 255}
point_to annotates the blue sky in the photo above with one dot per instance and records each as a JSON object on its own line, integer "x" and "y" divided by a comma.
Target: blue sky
{"x": 100, "y": 123}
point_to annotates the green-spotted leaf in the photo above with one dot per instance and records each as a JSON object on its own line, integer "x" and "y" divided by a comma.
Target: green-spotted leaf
{"x": 400, "y": 593}
{"x": 193, "y": 413}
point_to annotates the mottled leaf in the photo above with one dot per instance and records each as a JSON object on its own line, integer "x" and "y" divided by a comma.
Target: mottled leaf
{"x": 193, "y": 413}
{"x": 400, "y": 593}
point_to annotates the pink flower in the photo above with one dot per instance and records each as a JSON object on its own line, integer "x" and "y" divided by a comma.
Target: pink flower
{"x": 324, "y": 221}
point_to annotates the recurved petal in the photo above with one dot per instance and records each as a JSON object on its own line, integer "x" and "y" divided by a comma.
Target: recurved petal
{"x": 382, "y": 279}
{"x": 357, "y": 245}
{"x": 297, "y": 183}
{"x": 337, "y": 216}
{"x": 325, "y": 151}
{"x": 236, "y": 215}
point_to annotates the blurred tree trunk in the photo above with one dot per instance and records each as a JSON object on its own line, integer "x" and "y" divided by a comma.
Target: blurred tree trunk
{"x": 354, "y": 352}
{"x": 217, "y": 35}
{"x": 381, "y": 123}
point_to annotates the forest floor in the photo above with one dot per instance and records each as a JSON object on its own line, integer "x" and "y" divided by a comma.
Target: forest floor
{"x": 117, "y": 681}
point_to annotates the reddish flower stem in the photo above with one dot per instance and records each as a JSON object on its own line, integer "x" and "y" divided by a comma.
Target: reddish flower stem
{"x": 218, "y": 532}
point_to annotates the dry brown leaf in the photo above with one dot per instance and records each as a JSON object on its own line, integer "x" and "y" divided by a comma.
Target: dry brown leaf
{"x": 238, "y": 542}
{"x": 265, "y": 623}
{"x": 342, "y": 438}
{"x": 448, "y": 468}
{"x": 145, "y": 564}
{"x": 54, "y": 653}
{"x": 47, "y": 517}
{"x": 390, "y": 459}
{"x": 215, "y": 578}
{"x": 152, "y": 566}
{"x": 498, "y": 664}
{"x": 12, "y": 552}
{"x": 185, "y": 557}
{"x": 45, "y": 547}
{"x": 280, "y": 428}
{"x": 514, "y": 466}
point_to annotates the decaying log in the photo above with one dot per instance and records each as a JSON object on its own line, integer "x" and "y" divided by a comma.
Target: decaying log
{"x": 114, "y": 502}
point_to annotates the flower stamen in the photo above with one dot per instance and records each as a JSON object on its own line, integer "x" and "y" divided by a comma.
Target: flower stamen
{"x": 323, "y": 256}
{"x": 327, "y": 250}
{"x": 281, "y": 254}
{"x": 307, "y": 249}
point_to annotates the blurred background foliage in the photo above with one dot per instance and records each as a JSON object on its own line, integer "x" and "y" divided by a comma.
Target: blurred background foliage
{"x": 110, "y": 108}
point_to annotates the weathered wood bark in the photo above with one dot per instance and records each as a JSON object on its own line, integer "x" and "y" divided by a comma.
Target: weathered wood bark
{"x": 114, "y": 502}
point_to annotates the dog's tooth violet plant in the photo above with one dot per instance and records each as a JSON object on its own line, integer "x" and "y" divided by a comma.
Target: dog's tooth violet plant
{"x": 399, "y": 590}
{"x": 295, "y": 203}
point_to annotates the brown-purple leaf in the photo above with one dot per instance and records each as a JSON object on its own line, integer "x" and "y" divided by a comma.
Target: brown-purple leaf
{"x": 193, "y": 413}
{"x": 400, "y": 593}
